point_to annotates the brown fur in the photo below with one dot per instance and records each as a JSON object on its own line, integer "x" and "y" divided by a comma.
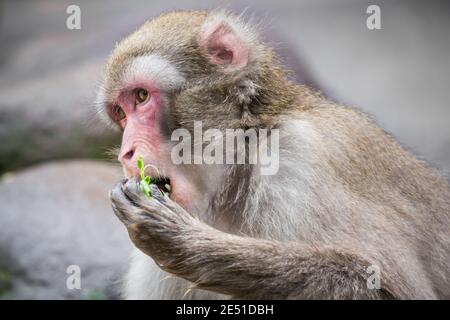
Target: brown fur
{"x": 356, "y": 199}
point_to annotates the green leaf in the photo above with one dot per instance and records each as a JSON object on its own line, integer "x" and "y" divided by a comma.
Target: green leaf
{"x": 145, "y": 180}
{"x": 140, "y": 163}
{"x": 145, "y": 188}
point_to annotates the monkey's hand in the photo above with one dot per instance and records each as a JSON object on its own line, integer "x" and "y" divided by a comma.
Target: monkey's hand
{"x": 158, "y": 226}
{"x": 241, "y": 267}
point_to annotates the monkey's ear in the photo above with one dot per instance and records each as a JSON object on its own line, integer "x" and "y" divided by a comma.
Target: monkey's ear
{"x": 223, "y": 46}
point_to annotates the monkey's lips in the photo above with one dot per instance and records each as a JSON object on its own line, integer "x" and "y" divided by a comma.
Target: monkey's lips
{"x": 163, "y": 183}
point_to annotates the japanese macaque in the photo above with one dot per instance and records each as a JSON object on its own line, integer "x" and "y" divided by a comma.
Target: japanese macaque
{"x": 347, "y": 205}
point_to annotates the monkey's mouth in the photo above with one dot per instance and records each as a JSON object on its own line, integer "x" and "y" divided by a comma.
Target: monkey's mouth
{"x": 163, "y": 183}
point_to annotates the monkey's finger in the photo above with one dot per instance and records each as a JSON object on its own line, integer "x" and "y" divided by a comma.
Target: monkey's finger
{"x": 122, "y": 205}
{"x": 132, "y": 190}
{"x": 158, "y": 208}
{"x": 149, "y": 207}
{"x": 156, "y": 193}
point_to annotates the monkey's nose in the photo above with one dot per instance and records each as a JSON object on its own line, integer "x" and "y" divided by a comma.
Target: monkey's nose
{"x": 127, "y": 156}
{"x": 129, "y": 164}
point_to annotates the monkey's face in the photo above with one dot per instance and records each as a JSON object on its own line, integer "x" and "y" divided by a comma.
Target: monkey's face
{"x": 173, "y": 71}
{"x": 141, "y": 108}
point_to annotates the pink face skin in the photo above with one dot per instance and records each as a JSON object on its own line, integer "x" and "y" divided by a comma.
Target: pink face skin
{"x": 141, "y": 129}
{"x": 141, "y": 124}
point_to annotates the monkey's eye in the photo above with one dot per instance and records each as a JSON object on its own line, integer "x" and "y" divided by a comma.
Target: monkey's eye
{"x": 141, "y": 96}
{"x": 118, "y": 113}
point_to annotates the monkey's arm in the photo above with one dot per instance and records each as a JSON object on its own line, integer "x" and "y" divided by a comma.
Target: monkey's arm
{"x": 238, "y": 266}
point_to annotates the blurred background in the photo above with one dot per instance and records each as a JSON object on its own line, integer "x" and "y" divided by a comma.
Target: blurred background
{"x": 55, "y": 167}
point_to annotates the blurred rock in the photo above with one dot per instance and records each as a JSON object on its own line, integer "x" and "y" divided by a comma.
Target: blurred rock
{"x": 56, "y": 215}
{"x": 52, "y": 118}
{"x": 48, "y": 79}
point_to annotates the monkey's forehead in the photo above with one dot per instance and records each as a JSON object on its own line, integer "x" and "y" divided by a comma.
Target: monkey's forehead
{"x": 171, "y": 35}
